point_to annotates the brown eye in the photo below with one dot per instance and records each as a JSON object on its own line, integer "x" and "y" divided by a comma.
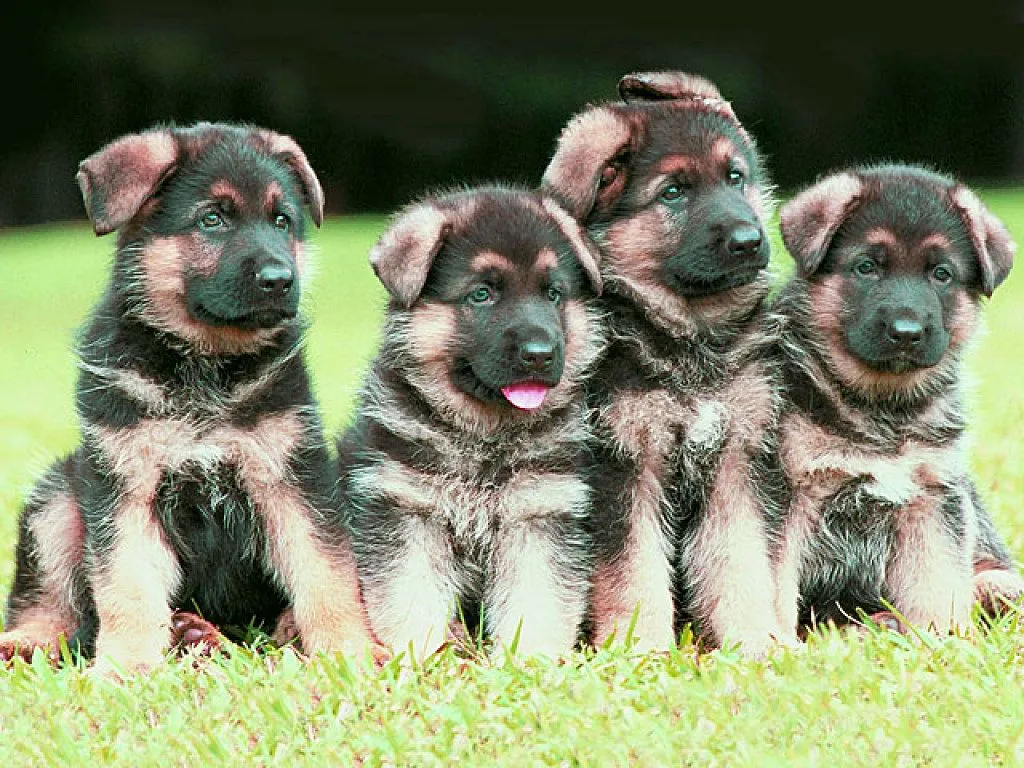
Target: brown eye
{"x": 282, "y": 222}
{"x": 554, "y": 295}
{"x": 736, "y": 178}
{"x": 942, "y": 274}
{"x": 211, "y": 220}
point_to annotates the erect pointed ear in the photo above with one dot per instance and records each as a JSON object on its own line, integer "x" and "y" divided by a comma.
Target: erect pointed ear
{"x": 588, "y": 171}
{"x": 586, "y": 251}
{"x": 403, "y": 255}
{"x": 809, "y": 221}
{"x": 291, "y": 153}
{"x": 117, "y": 180}
{"x": 666, "y": 85}
{"x": 993, "y": 246}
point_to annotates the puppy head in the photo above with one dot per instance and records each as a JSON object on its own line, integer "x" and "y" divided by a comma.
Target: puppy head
{"x": 896, "y": 258}
{"x": 488, "y": 288}
{"x": 672, "y": 188}
{"x": 210, "y": 229}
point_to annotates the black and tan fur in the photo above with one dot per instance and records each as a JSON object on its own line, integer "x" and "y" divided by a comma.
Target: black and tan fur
{"x": 671, "y": 187}
{"x": 461, "y": 501}
{"x": 893, "y": 262}
{"x": 203, "y": 481}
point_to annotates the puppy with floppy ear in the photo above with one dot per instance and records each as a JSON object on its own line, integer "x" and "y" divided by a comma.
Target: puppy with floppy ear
{"x": 203, "y": 480}
{"x": 462, "y": 471}
{"x": 892, "y": 264}
{"x": 671, "y": 187}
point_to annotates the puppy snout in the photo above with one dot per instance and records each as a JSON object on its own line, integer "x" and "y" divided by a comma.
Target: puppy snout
{"x": 537, "y": 356}
{"x": 744, "y": 242}
{"x": 905, "y": 332}
{"x": 275, "y": 279}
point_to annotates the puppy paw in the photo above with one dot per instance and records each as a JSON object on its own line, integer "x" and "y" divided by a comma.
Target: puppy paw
{"x": 16, "y": 645}
{"x": 888, "y": 620}
{"x": 191, "y": 632}
{"x": 996, "y": 588}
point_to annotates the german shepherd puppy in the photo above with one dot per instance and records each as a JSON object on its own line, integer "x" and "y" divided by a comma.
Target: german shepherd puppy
{"x": 893, "y": 262}
{"x": 203, "y": 480}
{"x": 462, "y": 468}
{"x": 671, "y": 187}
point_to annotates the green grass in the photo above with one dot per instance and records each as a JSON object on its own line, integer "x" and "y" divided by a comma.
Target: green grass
{"x": 869, "y": 700}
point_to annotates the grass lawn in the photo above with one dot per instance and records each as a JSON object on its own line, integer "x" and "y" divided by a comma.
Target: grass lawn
{"x": 869, "y": 700}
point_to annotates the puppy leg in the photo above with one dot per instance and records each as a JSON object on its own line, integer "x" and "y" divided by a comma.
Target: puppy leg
{"x": 637, "y": 584}
{"x": 789, "y": 563}
{"x": 727, "y": 563}
{"x": 410, "y": 589}
{"x": 134, "y": 573}
{"x": 320, "y": 577}
{"x": 996, "y": 580}
{"x": 801, "y": 523}
{"x": 538, "y": 587}
{"x": 42, "y": 605}
{"x": 930, "y": 572}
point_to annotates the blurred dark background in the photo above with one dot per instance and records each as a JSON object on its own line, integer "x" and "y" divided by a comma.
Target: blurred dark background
{"x": 389, "y": 106}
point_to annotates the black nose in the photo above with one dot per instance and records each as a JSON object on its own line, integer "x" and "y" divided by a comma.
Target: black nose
{"x": 275, "y": 279}
{"x": 744, "y": 241}
{"x": 537, "y": 356}
{"x": 905, "y": 331}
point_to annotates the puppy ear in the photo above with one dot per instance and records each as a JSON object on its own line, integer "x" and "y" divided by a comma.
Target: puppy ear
{"x": 286, "y": 148}
{"x": 402, "y": 256}
{"x": 809, "y": 221}
{"x": 664, "y": 86}
{"x": 117, "y": 180}
{"x": 586, "y": 251}
{"x": 587, "y": 171}
{"x": 993, "y": 245}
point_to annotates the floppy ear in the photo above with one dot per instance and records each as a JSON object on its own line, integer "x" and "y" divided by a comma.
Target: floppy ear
{"x": 286, "y": 148}
{"x": 402, "y": 256}
{"x": 586, "y": 251}
{"x": 809, "y": 221}
{"x": 992, "y": 243}
{"x": 664, "y": 86}
{"x": 586, "y": 171}
{"x": 117, "y": 180}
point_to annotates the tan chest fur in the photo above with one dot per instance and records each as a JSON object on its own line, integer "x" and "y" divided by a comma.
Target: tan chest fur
{"x": 819, "y": 462}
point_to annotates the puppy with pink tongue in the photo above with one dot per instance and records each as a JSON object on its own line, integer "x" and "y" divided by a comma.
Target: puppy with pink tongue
{"x": 463, "y": 466}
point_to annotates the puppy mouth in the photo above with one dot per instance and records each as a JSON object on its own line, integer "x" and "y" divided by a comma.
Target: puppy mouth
{"x": 693, "y": 287}
{"x": 259, "y": 319}
{"x": 527, "y": 395}
{"x": 899, "y": 364}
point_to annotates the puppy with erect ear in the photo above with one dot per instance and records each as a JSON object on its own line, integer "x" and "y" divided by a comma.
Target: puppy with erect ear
{"x": 893, "y": 262}
{"x": 202, "y": 493}
{"x": 462, "y": 470}
{"x": 673, "y": 190}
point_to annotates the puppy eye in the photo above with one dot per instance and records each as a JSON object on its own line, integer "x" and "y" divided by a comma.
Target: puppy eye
{"x": 736, "y": 178}
{"x": 554, "y": 295}
{"x": 942, "y": 274}
{"x": 482, "y": 294}
{"x": 866, "y": 267}
{"x": 211, "y": 220}
{"x": 674, "y": 192}
{"x": 282, "y": 222}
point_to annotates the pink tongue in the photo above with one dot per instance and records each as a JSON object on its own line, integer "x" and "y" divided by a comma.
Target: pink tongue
{"x": 528, "y": 395}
